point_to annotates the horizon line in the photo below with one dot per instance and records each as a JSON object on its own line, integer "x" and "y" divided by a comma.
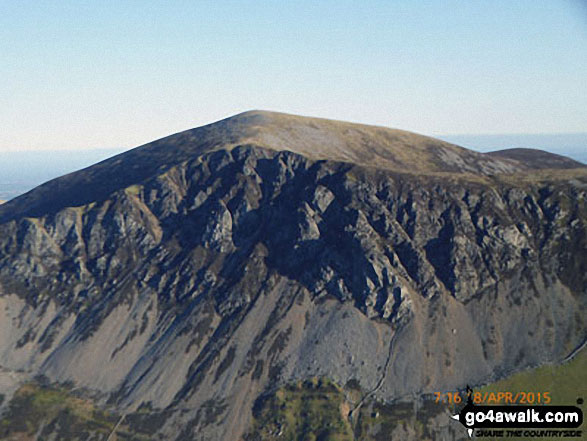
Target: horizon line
{"x": 121, "y": 148}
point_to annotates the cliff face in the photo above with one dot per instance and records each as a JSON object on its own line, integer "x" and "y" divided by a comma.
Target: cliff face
{"x": 201, "y": 280}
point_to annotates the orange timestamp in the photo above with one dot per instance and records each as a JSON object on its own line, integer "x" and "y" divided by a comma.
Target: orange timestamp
{"x": 521, "y": 397}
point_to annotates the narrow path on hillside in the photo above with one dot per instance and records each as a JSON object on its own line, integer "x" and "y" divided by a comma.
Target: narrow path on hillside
{"x": 116, "y": 427}
{"x": 379, "y": 383}
{"x": 575, "y": 351}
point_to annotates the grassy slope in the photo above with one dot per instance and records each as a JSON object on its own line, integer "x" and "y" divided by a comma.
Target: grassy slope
{"x": 303, "y": 411}
{"x": 313, "y": 410}
{"x": 36, "y": 408}
{"x": 37, "y": 411}
{"x": 307, "y": 411}
{"x": 565, "y": 382}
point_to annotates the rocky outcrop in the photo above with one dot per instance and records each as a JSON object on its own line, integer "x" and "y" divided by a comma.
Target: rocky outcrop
{"x": 237, "y": 270}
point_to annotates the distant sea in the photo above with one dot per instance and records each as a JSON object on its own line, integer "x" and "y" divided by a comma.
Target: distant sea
{"x": 23, "y": 171}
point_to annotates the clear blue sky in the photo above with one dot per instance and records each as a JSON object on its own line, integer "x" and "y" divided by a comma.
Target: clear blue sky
{"x": 103, "y": 74}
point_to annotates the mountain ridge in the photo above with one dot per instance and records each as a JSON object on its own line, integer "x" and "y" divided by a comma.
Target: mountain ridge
{"x": 189, "y": 293}
{"x": 314, "y": 138}
{"x": 537, "y": 159}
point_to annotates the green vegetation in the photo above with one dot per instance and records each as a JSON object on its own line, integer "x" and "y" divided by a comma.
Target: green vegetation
{"x": 318, "y": 409}
{"x": 36, "y": 409}
{"x": 307, "y": 411}
{"x": 565, "y": 382}
{"x": 377, "y": 421}
{"x": 42, "y": 412}
{"x": 312, "y": 410}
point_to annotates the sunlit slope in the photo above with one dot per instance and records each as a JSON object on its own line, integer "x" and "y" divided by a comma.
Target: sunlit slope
{"x": 314, "y": 138}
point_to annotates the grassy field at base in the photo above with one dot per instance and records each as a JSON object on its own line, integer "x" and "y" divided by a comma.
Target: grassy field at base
{"x": 39, "y": 412}
{"x": 306, "y": 411}
{"x": 313, "y": 410}
{"x": 36, "y": 411}
{"x": 565, "y": 383}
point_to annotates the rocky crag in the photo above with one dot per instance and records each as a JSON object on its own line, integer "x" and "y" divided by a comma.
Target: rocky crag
{"x": 193, "y": 275}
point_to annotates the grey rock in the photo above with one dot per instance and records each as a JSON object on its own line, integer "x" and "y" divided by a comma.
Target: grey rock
{"x": 231, "y": 269}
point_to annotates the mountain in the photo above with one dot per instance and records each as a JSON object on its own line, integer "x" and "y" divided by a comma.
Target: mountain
{"x": 571, "y": 145}
{"x": 21, "y": 171}
{"x": 537, "y": 159}
{"x": 315, "y": 139}
{"x": 189, "y": 288}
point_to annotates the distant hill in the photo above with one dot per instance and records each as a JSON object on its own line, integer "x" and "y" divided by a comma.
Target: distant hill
{"x": 572, "y": 145}
{"x": 537, "y": 159}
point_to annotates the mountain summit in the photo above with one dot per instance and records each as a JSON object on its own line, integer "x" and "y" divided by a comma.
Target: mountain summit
{"x": 314, "y": 138}
{"x": 184, "y": 286}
